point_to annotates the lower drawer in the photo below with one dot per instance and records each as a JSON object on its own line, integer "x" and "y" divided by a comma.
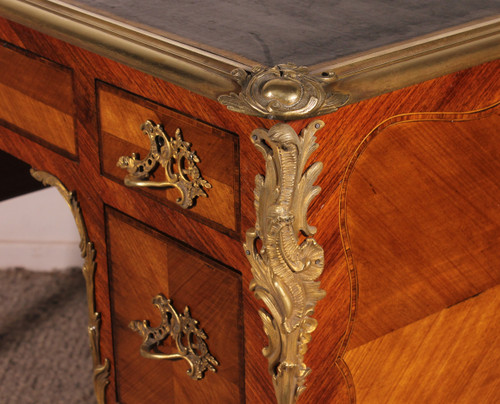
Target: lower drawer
{"x": 144, "y": 264}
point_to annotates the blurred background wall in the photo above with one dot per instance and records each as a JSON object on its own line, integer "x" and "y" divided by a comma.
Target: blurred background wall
{"x": 38, "y": 232}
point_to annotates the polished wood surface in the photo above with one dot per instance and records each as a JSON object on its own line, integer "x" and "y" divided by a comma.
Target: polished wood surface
{"x": 330, "y": 380}
{"x": 422, "y": 230}
{"x": 142, "y": 264}
{"x": 36, "y": 96}
{"x": 422, "y": 217}
{"x": 451, "y": 356}
{"x": 344, "y": 131}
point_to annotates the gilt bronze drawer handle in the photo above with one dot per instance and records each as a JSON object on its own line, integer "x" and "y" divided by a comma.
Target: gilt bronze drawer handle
{"x": 175, "y": 157}
{"x": 183, "y": 329}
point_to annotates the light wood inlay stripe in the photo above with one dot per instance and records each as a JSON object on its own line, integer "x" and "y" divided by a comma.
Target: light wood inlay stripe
{"x": 423, "y": 219}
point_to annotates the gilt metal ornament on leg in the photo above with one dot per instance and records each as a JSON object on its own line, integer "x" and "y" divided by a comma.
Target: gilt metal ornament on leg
{"x": 284, "y": 270}
{"x": 101, "y": 367}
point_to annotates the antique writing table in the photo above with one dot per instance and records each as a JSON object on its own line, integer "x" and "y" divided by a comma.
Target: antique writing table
{"x": 320, "y": 180}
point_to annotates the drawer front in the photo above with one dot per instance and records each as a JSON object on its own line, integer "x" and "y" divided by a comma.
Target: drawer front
{"x": 121, "y": 116}
{"x": 143, "y": 264}
{"x": 36, "y": 99}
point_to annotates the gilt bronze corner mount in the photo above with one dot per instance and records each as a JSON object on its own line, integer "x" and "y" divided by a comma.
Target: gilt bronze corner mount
{"x": 285, "y": 271}
{"x": 285, "y": 91}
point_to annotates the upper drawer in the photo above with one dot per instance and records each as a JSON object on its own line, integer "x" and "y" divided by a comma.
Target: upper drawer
{"x": 36, "y": 98}
{"x": 121, "y": 116}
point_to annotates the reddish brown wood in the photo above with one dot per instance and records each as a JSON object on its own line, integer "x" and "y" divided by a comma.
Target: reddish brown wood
{"x": 343, "y": 132}
{"x": 449, "y": 357}
{"x": 345, "y": 129}
{"x": 36, "y": 96}
{"x": 422, "y": 217}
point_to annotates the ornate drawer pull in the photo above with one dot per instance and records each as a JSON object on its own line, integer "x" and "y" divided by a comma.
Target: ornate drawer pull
{"x": 182, "y": 328}
{"x": 175, "y": 157}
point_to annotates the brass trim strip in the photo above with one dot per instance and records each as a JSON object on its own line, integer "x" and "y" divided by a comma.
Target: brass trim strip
{"x": 101, "y": 369}
{"x": 387, "y": 69}
{"x": 209, "y": 73}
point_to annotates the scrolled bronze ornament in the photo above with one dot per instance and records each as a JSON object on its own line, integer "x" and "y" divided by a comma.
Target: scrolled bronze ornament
{"x": 285, "y": 271}
{"x": 284, "y": 91}
{"x": 101, "y": 369}
{"x": 182, "y": 328}
{"x": 175, "y": 156}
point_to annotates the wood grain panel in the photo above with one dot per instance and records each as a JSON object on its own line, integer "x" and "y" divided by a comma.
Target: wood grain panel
{"x": 36, "y": 98}
{"x": 467, "y": 90}
{"x": 423, "y": 218}
{"x": 213, "y": 294}
{"x": 449, "y": 357}
{"x": 121, "y": 116}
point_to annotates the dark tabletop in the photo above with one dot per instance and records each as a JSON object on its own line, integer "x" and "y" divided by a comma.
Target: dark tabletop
{"x": 305, "y": 32}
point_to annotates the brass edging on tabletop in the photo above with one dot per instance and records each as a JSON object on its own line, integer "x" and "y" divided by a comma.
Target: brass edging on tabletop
{"x": 285, "y": 91}
{"x": 214, "y": 73}
{"x": 289, "y": 92}
{"x": 101, "y": 369}
{"x": 393, "y": 67}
